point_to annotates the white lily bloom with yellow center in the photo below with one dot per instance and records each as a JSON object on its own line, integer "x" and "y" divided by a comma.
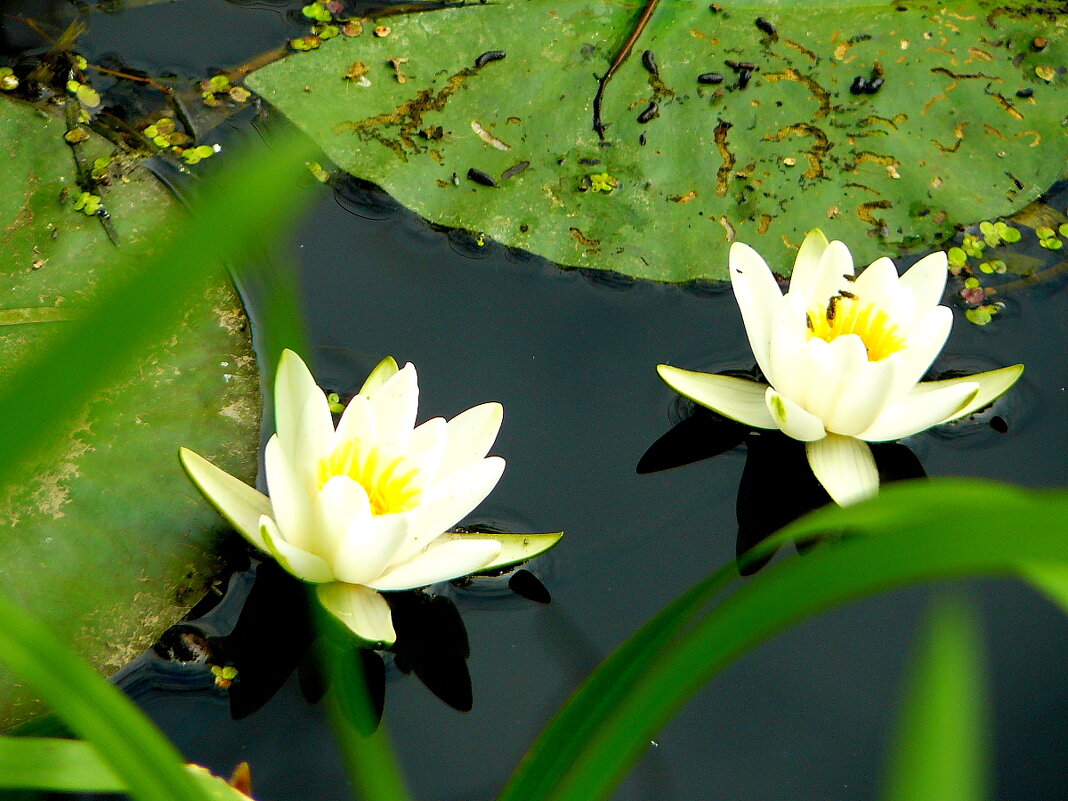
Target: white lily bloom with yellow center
{"x": 368, "y": 506}
{"x": 843, "y": 355}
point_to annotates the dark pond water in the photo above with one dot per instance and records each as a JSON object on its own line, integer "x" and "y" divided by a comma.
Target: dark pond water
{"x": 571, "y": 356}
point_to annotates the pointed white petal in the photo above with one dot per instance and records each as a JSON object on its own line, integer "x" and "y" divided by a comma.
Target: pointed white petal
{"x": 442, "y": 561}
{"x": 370, "y": 545}
{"x": 449, "y": 501}
{"x": 515, "y": 548}
{"x": 846, "y": 365}
{"x": 821, "y": 377}
{"x": 290, "y": 502}
{"x": 925, "y": 342}
{"x": 341, "y": 502}
{"x": 384, "y": 370}
{"x": 301, "y": 414}
{"x": 471, "y": 434}
{"x": 845, "y": 467}
{"x": 735, "y": 398}
{"x": 789, "y": 356}
{"x": 919, "y": 410}
{"x": 792, "y": 419}
{"x": 236, "y": 501}
{"x": 757, "y": 295}
{"x": 806, "y": 265}
{"x": 863, "y": 399}
{"x": 305, "y": 566}
{"x": 927, "y": 280}
{"x": 357, "y": 422}
{"x": 877, "y": 282}
{"x": 363, "y": 610}
{"x": 427, "y": 448}
{"x": 992, "y": 385}
{"x": 819, "y": 284}
{"x": 395, "y": 405}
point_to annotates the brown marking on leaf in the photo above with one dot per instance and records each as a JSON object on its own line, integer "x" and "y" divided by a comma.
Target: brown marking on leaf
{"x": 965, "y": 76}
{"x": 943, "y": 96}
{"x": 723, "y": 174}
{"x": 842, "y": 50}
{"x": 680, "y": 199}
{"x": 764, "y": 224}
{"x": 584, "y": 240}
{"x": 980, "y": 55}
{"x": 866, "y": 212}
{"x": 823, "y": 97}
{"x": 990, "y": 129}
{"x": 801, "y": 49}
{"x": 728, "y": 229}
{"x": 815, "y": 153}
{"x": 407, "y": 118}
{"x": 1009, "y": 108}
{"x": 1036, "y": 141}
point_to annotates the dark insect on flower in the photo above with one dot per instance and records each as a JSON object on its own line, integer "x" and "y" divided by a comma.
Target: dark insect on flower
{"x": 874, "y": 86}
{"x": 651, "y": 111}
{"x": 649, "y": 62}
{"x": 766, "y": 26}
{"x": 739, "y": 66}
{"x": 487, "y": 57}
{"x": 744, "y": 77}
{"x": 710, "y": 77}
{"x": 859, "y": 85}
{"x": 845, "y": 294}
{"x": 480, "y": 177}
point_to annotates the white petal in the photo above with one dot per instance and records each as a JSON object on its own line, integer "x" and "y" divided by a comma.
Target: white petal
{"x": 471, "y": 434}
{"x": 305, "y": 566}
{"x": 236, "y": 501}
{"x": 846, "y": 366}
{"x": 792, "y": 419}
{"x": 290, "y": 502}
{"x": 732, "y": 397}
{"x": 863, "y": 399}
{"x": 757, "y": 295}
{"x": 395, "y": 405}
{"x": 301, "y": 414}
{"x": 821, "y": 378}
{"x": 363, "y": 610}
{"x": 925, "y": 342}
{"x": 384, "y": 370}
{"x": 920, "y": 410}
{"x": 449, "y": 501}
{"x": 845, "y": 467}
{"x": 369, "y": 546}
{"x": 877, "y": 283}
{"x": 340, "y": 503}
{"x": 992, "y": 385}
{"x": 789, "y": 355}
{"x": 927, "y": 280}
{"x": 442, "y": 561}
{"x": 807, "y": 264}
{"x": 427, "y": 448}
{"x": 515, "y": 548}
{"x": 818, "y": 284}
{"x": 357, "y": 422}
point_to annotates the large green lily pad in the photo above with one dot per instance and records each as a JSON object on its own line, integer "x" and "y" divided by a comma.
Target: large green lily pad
{"x": 110, "y": 543}
{"x": 945, "y": 140}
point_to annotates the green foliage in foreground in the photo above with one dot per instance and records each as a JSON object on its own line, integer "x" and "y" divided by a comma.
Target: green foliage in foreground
{"x": 944, "y": 141}
{"x": 108, "y": 574}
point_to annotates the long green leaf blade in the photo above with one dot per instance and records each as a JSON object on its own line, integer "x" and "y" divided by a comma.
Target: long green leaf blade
{"x": 941, "y": 752}
{"x": 45, "y": 763}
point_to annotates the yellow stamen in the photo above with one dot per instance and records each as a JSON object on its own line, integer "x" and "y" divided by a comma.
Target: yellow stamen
{"x": 391, "y": 483}
{"x": 851, "y": 315}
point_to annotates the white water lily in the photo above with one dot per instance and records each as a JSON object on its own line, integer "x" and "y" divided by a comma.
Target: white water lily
{"x": 843, "y": 355}
{"x": 367, "y": 507}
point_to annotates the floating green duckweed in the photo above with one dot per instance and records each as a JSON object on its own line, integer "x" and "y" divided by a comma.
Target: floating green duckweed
{"x": 321, "y": 175}
{"x": 603, "y": 182}
{"x": 87, "y": 203}
{"x": 86, "y": 94}
{"x": 317, "y": 11}
{"x": 8, "y": 79}
{"x": 336, "y": 406}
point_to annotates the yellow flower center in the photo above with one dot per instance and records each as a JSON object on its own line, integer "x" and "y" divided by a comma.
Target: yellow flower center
{"x": 391, "y": 483}
{"x": 848, "y": 314}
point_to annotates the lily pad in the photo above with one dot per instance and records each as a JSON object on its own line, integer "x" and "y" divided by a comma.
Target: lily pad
{"x": 110, "y": 544}
{"x": 964, "y": 123}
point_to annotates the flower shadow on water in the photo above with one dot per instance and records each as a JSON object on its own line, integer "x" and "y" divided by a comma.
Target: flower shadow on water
{"x": 776, "y": 486}
{"x": 275, "y": 635}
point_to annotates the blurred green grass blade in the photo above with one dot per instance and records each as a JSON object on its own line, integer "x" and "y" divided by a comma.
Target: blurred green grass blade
{"x": 913, "y": 532}
{"x": 364, "y": 742}
{"x": 248, "y": 203}
{"x": 1050, "y": 579}
{"x": 70, "y": 766}
{"x": 97, "y": 711}
{"x": 941, "y": 751}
